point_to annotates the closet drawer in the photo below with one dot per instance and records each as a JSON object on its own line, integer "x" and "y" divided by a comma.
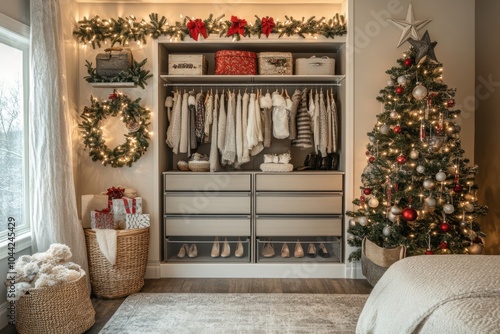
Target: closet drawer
{"x": 207, "y": 203}
{"x": 299, "y": 182}
{"x": 207, "y": 226}
{"x": 210, "y": 182}
{"x": 319, "y": 203}
{"x": 302, "y": 226}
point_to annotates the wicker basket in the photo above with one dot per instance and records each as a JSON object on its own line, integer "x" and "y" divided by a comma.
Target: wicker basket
{"x": 63, "y": 308}
{"x": 199, "y": 166}
{"x": 275, "y": 63}
{"x": 375, "y": 260}
{"x": 127, "y": 275}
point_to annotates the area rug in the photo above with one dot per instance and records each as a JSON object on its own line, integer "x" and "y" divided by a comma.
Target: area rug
{"x": 148, "y": 313}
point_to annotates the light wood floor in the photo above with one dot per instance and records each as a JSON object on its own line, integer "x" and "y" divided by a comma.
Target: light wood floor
{"x": 106, "y": 308}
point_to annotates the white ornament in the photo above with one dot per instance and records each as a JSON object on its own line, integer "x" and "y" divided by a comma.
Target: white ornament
{"x": 392, "y": 217}
{"x": 401, "y": 80}
{"x": 448, "y": 209}
{"x": 387, "y": 230}
{"x": 469, "y": 207}
{"x": 390, "y": 82}
{"x": 384, "y": 129}
{"x": 419, "y": 92}
{"x": 396, "y": 210}
{"x": 352, "y": 222}
{"x": 363, "y": 221}
{"x": 428, "y": 184}
{"x": 441, "y": 176}
{"x": 430, "y": 202}
{"x": 420, "y": 169}
{"x": 409, "y": 27}
{"x": 373, "y": 202}
{"x": 394, "y": 114}
{"x": 414, "y": 154}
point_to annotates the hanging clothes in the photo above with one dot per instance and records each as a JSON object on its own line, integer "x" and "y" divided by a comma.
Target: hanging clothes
{"x": 266, "y": 103}
{"x": 293, "y": 114}
{"x": 229, "y": 153}
{"x": 244, "y": 127}
{"x": 214, "y": 152}
{"x": 174, "y": 129}
{"x": 239, "y": 132}
{"x": 304, "y": 133}
{"x": 258, "y": 128}
{"x": 252, "y": 135}
{"x": 169, "y": 103}
{"x": 221, "y": 127}
{"x": 316, "y": 123}
{"x": 183, "y": 145}
{"x": 335, "y": 124}
{"x": 192, "y": 122}
{"x": 323, "y": 123}
{"x": 200, "y": 117}
{"x": 280, "y": 116}
{"x": 329, "y": 118}
{"x": 209, "y": 105}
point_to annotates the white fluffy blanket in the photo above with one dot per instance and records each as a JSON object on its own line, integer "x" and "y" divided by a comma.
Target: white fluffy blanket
{"x": 435, "y": 294}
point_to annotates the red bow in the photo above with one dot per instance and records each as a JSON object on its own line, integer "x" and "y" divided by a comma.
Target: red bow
{"x": 195, "y": 28}
{"x": 113, "y": 96}
{"x": 237, "y": 27}
{"x": 114, "y": 193}
{"x": 267, "y": 25}
{"x": 105, "y": 210}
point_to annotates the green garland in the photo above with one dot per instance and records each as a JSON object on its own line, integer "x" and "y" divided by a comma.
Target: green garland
{"x": 121, "y": 31}
{"x": 135, "y": 74}
{"x": 135, "y": 117}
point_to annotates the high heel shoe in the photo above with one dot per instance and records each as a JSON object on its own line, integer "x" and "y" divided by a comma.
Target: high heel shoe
{"x": 268, "y": 250}
{"x": 226, "y": 249}
{"x": 183, "y": 251}
{"x": 215, "y": 248}
{"x": 285, "y": 251}
{"x": 323, "y": 252}
{"x": 311, "y": 250}
{"x": 298, "y": 251}
{"x": 193, "y": 251}
{"x": 239, "y": 249}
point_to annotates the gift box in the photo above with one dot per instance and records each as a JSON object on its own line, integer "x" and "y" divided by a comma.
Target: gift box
{"x": 315, "y": 66}
{"x": 187, "y": 64}
{"x": 137, "y": 220}
{"x": 90, "y": 203}
{"x": 102, "y": 219}
{"x": 124, "y": 205}
{"x": 230, "y": 62}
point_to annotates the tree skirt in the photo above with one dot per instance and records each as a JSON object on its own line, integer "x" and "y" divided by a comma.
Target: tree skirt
{"x": 236, "y": 313}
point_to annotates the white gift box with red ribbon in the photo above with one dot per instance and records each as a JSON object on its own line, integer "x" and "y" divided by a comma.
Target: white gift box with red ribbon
{"x": 137, "y": 220}
{"x": 123, "y": 206}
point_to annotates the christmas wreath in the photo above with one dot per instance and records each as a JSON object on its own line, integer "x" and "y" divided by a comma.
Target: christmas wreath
{"x": 136, "y": 119}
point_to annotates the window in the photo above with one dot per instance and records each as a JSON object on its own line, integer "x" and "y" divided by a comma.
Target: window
{"x": 14, "y": 106}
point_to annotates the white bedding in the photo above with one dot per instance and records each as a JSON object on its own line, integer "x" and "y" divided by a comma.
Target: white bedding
{"x": 435, "y": 294}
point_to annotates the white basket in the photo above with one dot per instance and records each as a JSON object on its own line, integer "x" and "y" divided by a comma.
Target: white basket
{"x": 272, "y": 167}
{"x": 275, "y": 63}
{"x": 315, "y": 66}
{"x": 187, "y": 64}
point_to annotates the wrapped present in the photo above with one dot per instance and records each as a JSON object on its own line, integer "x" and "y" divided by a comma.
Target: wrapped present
{"x": 92, "y": 202}
{"x": 102, "y": 219}
{"x": 124, "y": 205}
{"x": 231, "y": 62}
{"x": 137, "y": 220}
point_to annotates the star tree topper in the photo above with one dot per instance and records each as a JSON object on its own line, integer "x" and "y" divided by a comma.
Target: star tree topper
{"x": 424, "y": 47}
{"x": 409, "y": 27}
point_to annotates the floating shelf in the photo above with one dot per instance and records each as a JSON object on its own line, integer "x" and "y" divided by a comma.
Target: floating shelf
{"x": 112, "y": 84}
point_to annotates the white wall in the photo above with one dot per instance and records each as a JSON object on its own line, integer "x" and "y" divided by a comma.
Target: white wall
{"x": 18, "y": 10}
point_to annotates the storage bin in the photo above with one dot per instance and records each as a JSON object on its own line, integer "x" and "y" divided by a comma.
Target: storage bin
{"x": 62, "y": 308}
{"x": 127, "y": 275}
{"x": 230, "y": 62}
{"x": 315, "y": 66}
{"x": 275, "y": 63}
{"x": 185, "y": 64}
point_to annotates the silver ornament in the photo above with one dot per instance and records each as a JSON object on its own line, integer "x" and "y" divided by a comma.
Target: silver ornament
{"x": 384, "y": 129}
{"x": 390, "y": 82}
{"x": 463, "y": 223}
{"x": 372, "y": 138}
{"x": 396, "y": 210}
{"x": 420, "y": 169}
{"x": 414, "y": 154}
{"x": 419, "y": 92}
{"x": 387, "y": 230}
{"x": 441, "y": 176}
{"x": 401, "y": 80}
{"x": 428, "y": 184}
{"x": 469, "y": 207}
{"x": 373, "y": 202}
{"x": 448, "y": 208}
{"x": 392, "y": 217}
{"x": 424, "y": 48}
{"x": 363, "y": 221}
{"x": 430, "y": 202}
{"x": 352, "y": 222}
{"x": 394, "y": 114}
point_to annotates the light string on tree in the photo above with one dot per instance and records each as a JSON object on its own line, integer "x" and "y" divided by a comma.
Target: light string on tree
{"x": 96, "y": 31}
{"x": 136, "y": 119}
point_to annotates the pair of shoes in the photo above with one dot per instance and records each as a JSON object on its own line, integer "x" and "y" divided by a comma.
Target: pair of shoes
{"x": 311, "y": 250}
{"x": 285, "y": 251}
{"x": 268, "y": 250}
{"x": 298, "y": 251}
{"x": 239, "y": 249}
{"x": 226, "y": 249}
{"x": 323, "y": 252}
{"x": 190, "y": 251}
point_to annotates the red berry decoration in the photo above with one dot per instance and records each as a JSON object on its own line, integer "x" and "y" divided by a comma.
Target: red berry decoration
{"x": 372, "y": 159}
{"x": 409, "y": 214}
{"x": 450, "y": 103}
{"x": 443, "y": 245}
{"x": 401, "y": 159}
{"x": 397, "y": 129}
{"x": 408, "y": 62}
{"x": 445, "y": 227}
{"x": 457, "y": 188}
{"x": 400, "y": 90}
{"x": 367, "y": 191}
{"x": 429, "y": 252}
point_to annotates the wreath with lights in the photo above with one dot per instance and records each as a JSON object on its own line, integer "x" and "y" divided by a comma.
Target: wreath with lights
{"x": 136, "y": 119}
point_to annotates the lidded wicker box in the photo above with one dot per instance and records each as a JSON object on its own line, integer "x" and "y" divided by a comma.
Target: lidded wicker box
{"x": 113, "y": 61}
{"x": 315, "y": 66}
{"x": 275, "y": 63}
{"x": 186, "y": 64}
{"x": 231, "y": 62}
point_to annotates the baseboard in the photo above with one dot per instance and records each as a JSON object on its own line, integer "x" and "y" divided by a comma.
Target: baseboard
{"x": 3, "y": 315}
{"x": 353, "y": 270}
{"x": 152, "y": 271}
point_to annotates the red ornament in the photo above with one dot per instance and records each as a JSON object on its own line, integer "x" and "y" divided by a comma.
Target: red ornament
{"x": 195, "y": 28}
{"x": 408, "y": 62}
{"x": 372, "y": 159}
{"x": 367, "y": 191}
{"x": 443, "y": 245}
{"x": 400, "y": 90}
{"x": 445, "y": 227}
{"x": 401, "y": 159}
{"x": 237, "y": 26}
{"x": 113, "y": 96}
{"x": 409, "y": 214}
{"x": 429, "y": 252}
{"x": 397, "y": 129}
{"x": 450, "y": 103}
{"x": 457, "y": 188}
{"x": 267, "y": 25}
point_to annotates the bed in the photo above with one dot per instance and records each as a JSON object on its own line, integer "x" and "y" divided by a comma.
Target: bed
{"x": 435, "y": 294}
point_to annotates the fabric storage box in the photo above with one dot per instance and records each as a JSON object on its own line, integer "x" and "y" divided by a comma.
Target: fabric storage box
{"x": 230, "y": 62}
{"x": 315, "y": 66}
{"x": 113, "y": 61}
{"x": 187, "y": 64}
{"x": 275, "y": 63}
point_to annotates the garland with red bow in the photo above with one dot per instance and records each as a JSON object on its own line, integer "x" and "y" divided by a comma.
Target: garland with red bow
{"x": 197, "y": 27}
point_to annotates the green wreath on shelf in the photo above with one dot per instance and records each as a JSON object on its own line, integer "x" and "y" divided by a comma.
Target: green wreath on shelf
{"x": 135, "y": 74}
{"x": 136, "y": 119}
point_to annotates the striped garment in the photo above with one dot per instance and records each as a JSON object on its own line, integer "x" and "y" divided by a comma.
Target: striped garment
{"x": 304, "y": 132}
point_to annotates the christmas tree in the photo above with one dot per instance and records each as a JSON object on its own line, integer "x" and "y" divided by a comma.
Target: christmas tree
{"x": 417, "y": 189}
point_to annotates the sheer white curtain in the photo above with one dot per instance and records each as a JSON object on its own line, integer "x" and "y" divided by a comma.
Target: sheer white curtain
{"x": 54, "y": 216}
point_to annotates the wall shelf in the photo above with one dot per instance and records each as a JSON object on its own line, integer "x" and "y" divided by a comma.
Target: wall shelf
{"x": 112, "y": 84}
{"x": 262, "y": 80}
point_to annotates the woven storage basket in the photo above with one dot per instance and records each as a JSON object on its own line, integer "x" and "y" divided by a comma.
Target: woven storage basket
{"x": 375, "y": 260}
{"x": 127, "y": 275}
{"x": 64, "y": 308}
{"x": 199, "y": 166}
{"x": 275, "y": 63}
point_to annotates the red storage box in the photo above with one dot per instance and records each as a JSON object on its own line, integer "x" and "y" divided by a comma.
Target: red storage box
{"x": 230, "y": 62}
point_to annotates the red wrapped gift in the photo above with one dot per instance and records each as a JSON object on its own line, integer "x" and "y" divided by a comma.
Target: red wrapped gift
{"x": 230, "y": 62}
{"x": 102, "y": 219}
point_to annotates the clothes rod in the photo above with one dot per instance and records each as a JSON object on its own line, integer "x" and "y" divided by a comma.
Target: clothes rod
{"x": 251, "y": 84}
